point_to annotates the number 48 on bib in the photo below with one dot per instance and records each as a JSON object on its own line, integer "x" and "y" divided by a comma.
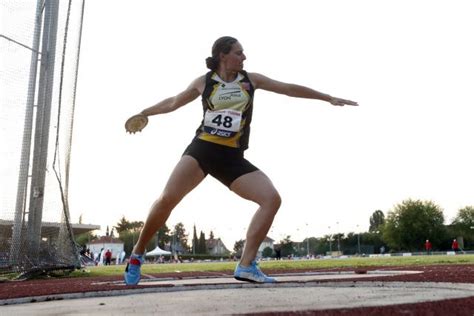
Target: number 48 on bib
{"x": 225, "y": 123}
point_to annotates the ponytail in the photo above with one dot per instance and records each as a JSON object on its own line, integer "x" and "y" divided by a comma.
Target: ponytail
{"x": 212, "y": 63}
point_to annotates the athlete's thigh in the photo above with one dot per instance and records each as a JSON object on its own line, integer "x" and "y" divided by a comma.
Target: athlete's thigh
{"x": 254, "y": 186}
{"x": 186, "y": 176}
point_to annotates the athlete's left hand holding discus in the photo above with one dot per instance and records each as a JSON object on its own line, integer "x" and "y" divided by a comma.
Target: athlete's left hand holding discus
{"x": 136, "y": 123}
{"x": 227, "y": 94}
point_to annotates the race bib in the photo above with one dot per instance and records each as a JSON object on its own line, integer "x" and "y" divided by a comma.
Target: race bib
{"x": 224, "y": 123}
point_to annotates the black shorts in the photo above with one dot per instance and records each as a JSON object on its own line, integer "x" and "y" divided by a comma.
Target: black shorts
{"x": 223, "y": 163}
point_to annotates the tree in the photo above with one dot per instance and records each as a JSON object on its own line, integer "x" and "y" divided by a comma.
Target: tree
{"x": 136, "y": 226}
{"x": 195, "y": 240}
{"x": 322, "y": 246}
{"x": 313, "y": 244}
{"x": 411, "y": 223}
{"x": 181, "y": 238}
{"x": 84, "y": 239}
{"x": 239, "y": 247}
{"x": 267, "y": 252}
{"x": 376, "y": 221}
{"x": 163, "y": 236}
{"x": 122, "y": 225}
{"x": 287, "y": 247}
{"x": 129, "y": 239}
{"x": 129, "y": 232}
{"x": 202, "y": 247}
{"x": 463, "y": 224}
{"x": 372, "y": 242}
{"x": 465, "y": 217}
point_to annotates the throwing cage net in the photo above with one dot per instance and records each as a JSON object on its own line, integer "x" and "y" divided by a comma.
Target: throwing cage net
{"x": 39, "y": 51}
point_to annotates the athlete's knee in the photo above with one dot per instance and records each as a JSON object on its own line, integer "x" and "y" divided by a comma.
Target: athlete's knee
{"x": 276, "y": 200}
{"x": 272, "y": 200}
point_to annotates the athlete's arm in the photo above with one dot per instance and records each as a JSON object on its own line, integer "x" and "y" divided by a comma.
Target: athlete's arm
{"x": 293, "y": 90}
{"x": 171, "y": 104}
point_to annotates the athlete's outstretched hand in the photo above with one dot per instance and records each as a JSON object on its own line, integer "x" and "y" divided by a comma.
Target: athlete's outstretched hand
{"x": 342, "y": 102}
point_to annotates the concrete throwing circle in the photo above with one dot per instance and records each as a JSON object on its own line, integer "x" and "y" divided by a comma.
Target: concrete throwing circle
{"x": 281, "y": 297}
{"x": 224, "y": 295}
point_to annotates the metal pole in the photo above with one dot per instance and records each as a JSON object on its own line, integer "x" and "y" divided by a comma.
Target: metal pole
{"x": 358, "y": 241}
{"x": 26, "y": 145}
{"x": 174, "y": 243}
{"x": 307, "y": 241}
{"x": 43, "y": 118}
{"x": 330, "y": 240}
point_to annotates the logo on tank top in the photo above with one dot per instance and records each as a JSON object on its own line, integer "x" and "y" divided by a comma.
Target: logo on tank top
{"x": 227, "y": 96}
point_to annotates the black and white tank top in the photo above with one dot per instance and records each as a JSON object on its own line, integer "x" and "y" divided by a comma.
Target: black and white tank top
{"x": 227, "y": 111}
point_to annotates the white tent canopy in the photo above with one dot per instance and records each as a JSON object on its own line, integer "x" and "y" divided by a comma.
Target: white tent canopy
{"x": 157, "y": 252}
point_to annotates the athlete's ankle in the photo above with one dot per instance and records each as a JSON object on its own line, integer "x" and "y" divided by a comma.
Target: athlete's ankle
{"x": 245, "y": 263}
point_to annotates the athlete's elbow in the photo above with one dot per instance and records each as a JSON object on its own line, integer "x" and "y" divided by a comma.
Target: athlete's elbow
{"x": 293, "y": 90}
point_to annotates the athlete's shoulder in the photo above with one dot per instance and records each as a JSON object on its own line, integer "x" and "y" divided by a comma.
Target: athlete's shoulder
{"x": 255, "y": 75}
{"x": 244, "y": 75}
{"x": 199, "y": 83}
{"x": 257, "y": 79}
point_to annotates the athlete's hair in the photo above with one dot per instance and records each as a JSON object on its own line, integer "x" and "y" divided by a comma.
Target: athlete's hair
{"x": 221, "y": 45}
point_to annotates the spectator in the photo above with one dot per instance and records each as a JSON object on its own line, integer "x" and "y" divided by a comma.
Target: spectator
{"x": 100, "y": 257}
{"x": 428, "y": 247}
{"x": 83, "y": 251}
{"x": 89, "y": 254}
{"x": 455, "y": 246}
{"x": 108, "y": 257}
{"x": 277, "y": 252}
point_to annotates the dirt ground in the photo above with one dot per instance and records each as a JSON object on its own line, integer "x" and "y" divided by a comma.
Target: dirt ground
{"x": 431, "y": 273}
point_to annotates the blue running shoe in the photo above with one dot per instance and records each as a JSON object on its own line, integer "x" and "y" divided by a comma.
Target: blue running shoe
{"x": 251, "y": 274}
{"x": 132, "y": 271}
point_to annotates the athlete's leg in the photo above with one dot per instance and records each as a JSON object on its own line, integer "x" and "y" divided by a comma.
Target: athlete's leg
{"x": 257, "y": 187}
{"x": 186, "y": 176}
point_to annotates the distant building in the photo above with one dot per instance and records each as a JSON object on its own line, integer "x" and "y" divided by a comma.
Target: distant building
{"x": 216, "y": 247}
{"x": 267, "y": 242}
{"x": 106, "y": 242}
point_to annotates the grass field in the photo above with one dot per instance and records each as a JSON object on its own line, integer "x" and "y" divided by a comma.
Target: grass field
{"x": 115, "y": 270}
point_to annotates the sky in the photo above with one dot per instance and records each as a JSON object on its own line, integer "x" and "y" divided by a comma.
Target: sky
{"x": 408, "y": 64}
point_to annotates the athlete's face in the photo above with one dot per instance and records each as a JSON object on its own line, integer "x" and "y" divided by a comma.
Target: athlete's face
{"x": 234, "y": 60}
